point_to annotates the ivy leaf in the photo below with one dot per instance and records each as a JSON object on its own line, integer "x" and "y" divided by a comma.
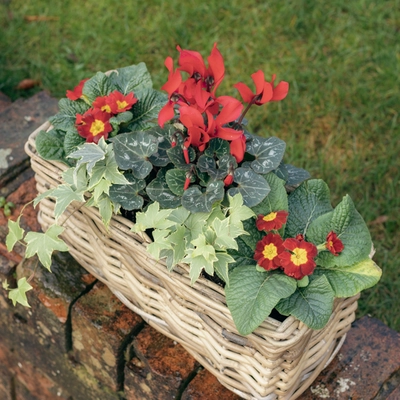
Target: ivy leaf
{"x": 132, "y": 151}
{"x": 64, "y": 196}
{"x": 179, "y": 215}
{"x": 160, "y": 242}
{"x": 177, "y": 238}
{"x": 237, "y": 211}
{"x": 15, "y": 233}
{"x": 97, "y": 86}
{"x": 152, "y": 218}
{"x": 351, "y": 229}
{"x": 253, "y": 187}
{"x": 90, "y": 154}
{"x": 225, "y": 240}
{"x": 312, "y": 305}
{"x": 50, "y": 145}
{"x": 18, "y": 295}
{"x": 252, "y": 295}
{"x": 195, "y": 200}
{"x": 43, "y": 244}
{"x": 221, "y": 265}
{"x": 146, "y": 110}
{"x": 347, "y": 281}
{"x": 132, "y": 78}
{"x": 195, "y": 223}
{"x": 306, "y": 203}
{"x": 268, "y": 153}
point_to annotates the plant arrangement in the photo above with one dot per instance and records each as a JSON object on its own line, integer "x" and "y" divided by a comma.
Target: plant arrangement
{"x": 182, "y": 165}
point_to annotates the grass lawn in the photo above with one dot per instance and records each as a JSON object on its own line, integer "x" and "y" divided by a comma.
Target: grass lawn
{"x": 341, "y": 58}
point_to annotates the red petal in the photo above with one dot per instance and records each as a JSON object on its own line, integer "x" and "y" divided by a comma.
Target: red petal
{"x": 258, "y": 79}
{"x": 166, "y": 114}
{"x": 281, "y": 91}
{"x": 216, "y": 66}
{"x": 238, "y": 147}
{"x": 245, "y": 92}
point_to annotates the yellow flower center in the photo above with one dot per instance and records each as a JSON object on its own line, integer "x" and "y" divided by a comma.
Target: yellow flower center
{"x": 299, "y": 256}
{"x": 97, "y": 127}
{"x": 122, "y": 104}
{"x": 330, "y": 244}
{"x": 270, "y": 251}
{"x": 106, "y": 108}
{"x": 270, "y": 217}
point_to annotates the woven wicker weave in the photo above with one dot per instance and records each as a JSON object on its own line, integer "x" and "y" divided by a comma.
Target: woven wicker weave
{"x": 278, "y": 361}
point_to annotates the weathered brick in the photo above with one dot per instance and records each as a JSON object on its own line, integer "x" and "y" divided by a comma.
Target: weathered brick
{"x": 101, "y": 325}
{"x": 369, "y": 356}
{"x": 17, "y": 122}
{"x": 206, "y": 386}
{"x": 159, "y": 369}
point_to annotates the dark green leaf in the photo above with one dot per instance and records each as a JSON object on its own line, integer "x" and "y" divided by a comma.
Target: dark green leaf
{"x": 268, "y": 153}
{"x": 195, "y": 200}
{"x": 128, "y": 195}
{"x": 217, "y": 147}
{"x": 97, "y": 86}
{"x": 66, "y": 117}
{"x": 244, "y": 255}
{"x": 132, "y": 78}
{"x": 158, "y": 190}
{"x": 132, "y": 151}
{"x": 145, "y": 111}
{"x": 296, "y": 175}
{"x": 160, "y": 157}
{"x": 50, "y": 145}
{"x": 175, "y": 179}
{"x": 253, "y": 187}
{"x": 252, "y": 295}
{"x": 312, "y": 305}
{"x": 306, "y": 203}
{"x": 175, "y": 154}
{"x": 72, "y": 141}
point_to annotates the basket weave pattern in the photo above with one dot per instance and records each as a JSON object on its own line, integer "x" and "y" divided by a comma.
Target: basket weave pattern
{"x": 277, "y": 361}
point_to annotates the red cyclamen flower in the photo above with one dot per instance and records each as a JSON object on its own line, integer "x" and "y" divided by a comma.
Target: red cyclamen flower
{"x": 273, "y": 220}
{"x": 268, "y": 250}
{"x": 334, "y": 244}
{"x": 93, "y": 125}
{"x": 298, "y": 261}
{"x": 77, "y": 92}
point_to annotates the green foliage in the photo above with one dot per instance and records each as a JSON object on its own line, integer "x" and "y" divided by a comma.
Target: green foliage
{"x": 252, "y": 295}
{"x": 201, "y": 240}
{"x": 15, "y": 233}
{"x": 18, "y": 295}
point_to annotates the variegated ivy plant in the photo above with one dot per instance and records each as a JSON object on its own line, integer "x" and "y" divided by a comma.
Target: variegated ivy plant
{"x": 213, "y": 195}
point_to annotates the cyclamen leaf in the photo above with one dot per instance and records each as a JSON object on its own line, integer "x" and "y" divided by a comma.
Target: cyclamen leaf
{"x": 296, "y": 175}
{"x": 310, "y": 200}
{"x": 195, "y": 200}
{"x": 268, "y": 153}
{"x": 253, "y": 187}
{"x": 128, "y": 195}
{"x": 277, "y": 198}
{"x": 15, "y": 233}
{"x": 312, "y": 305}
{"x": 132, "y": 151}
{"x": 347, "y": 281}
{"x": 252, "y": 295}
{"x": 159, "y": 191}
{"x": 43, "y": 244}
{"x": 18, "y": 295}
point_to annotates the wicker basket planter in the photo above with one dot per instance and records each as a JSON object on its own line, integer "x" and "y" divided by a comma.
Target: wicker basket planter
{"x": 278, "y": 361}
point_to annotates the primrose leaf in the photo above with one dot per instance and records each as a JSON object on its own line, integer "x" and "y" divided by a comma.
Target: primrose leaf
{"x": 310, "y": 200}
{"x": 252, "y": 295}
{"x": 268, "y": 153}
{"x": 50, "y": 145}
{"x": 15, "y": 233}
{"x": 43, "y": 244}
{"x": 347, "y": 281}
{"x": 72, "y": 141}
{"x": 132, "y": 78}
{"x": 98, "y": 86}
{"x": 312, "y": 304}
{"x": 18, "y": 295}
{"x": 66, "y": 117}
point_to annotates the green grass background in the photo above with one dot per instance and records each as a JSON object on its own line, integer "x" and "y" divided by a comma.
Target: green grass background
{"x": 341, "y": 58}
